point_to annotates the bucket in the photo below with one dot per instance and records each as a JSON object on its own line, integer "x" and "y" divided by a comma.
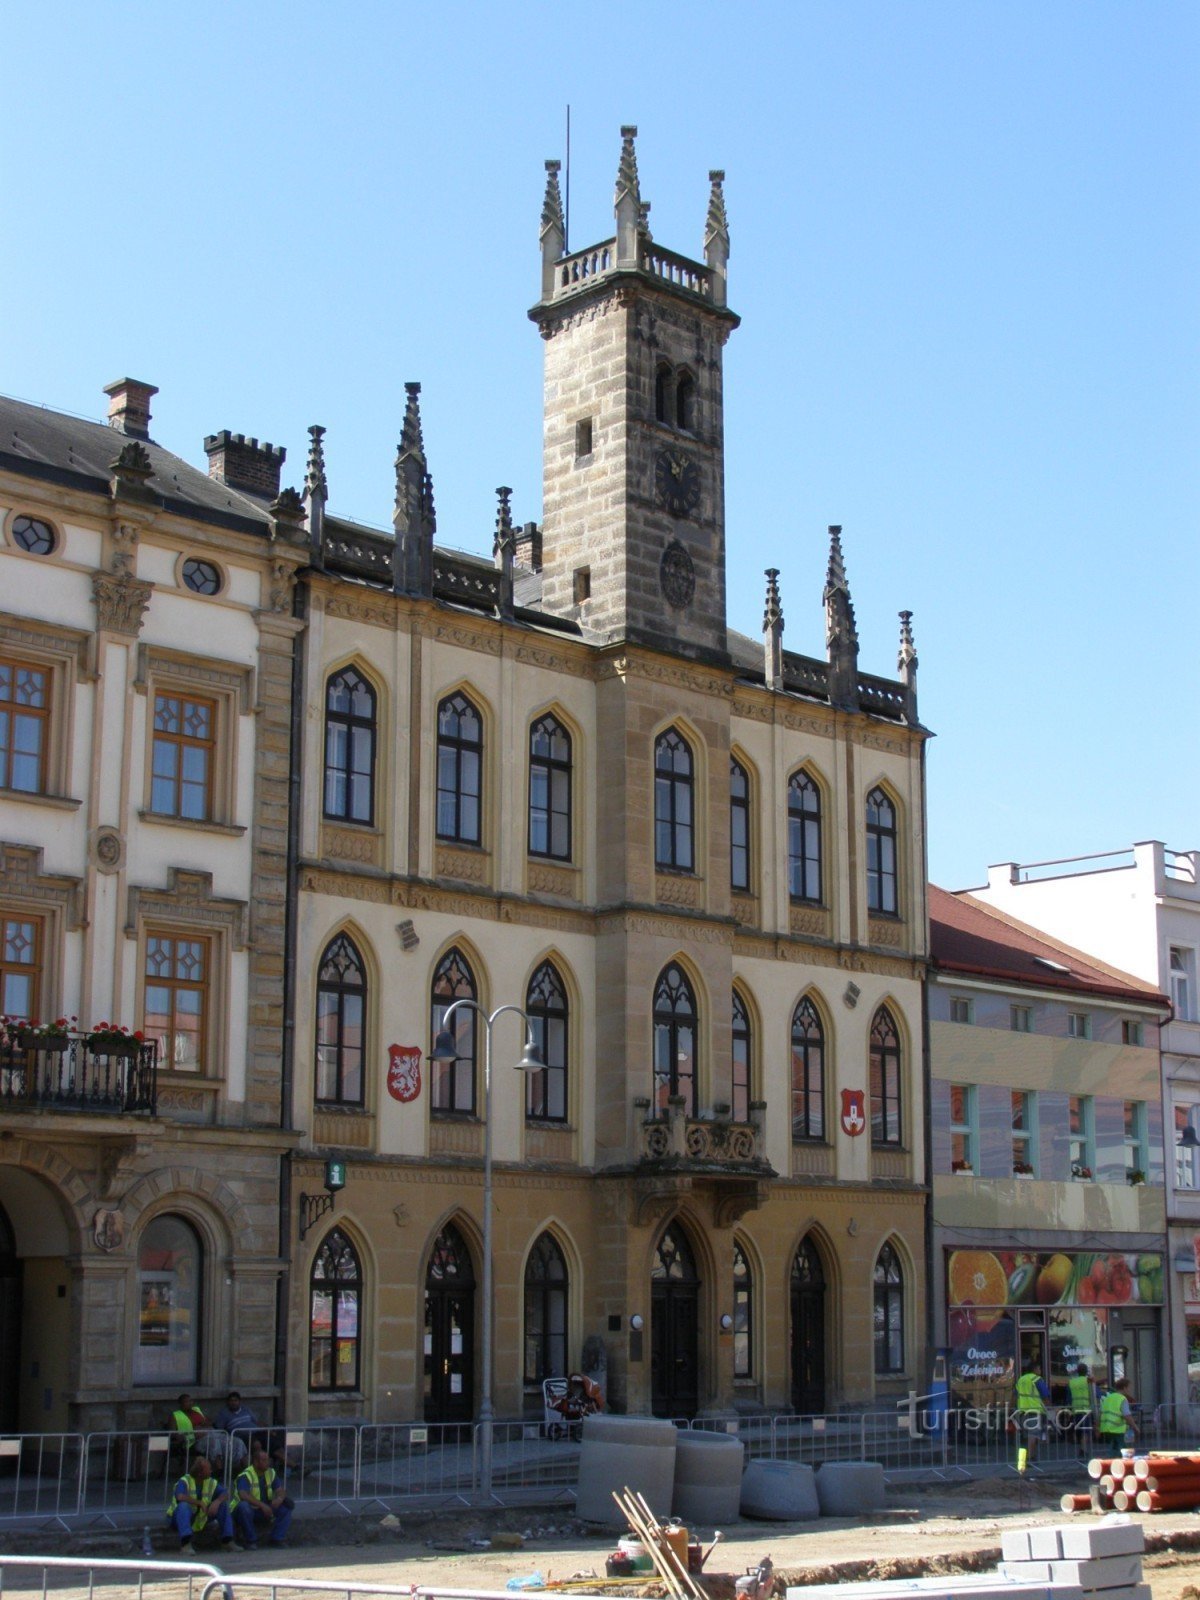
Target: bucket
{"x": 677, "y": 1538}
{"x": 639, "y": 1556}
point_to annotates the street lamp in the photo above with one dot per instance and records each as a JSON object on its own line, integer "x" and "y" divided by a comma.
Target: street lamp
{"x": 445, "y": 1048}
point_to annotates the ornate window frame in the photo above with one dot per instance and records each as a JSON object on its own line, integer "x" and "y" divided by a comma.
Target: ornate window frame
{"x": 231, "y": 689}
{"x": 64, "y": 653}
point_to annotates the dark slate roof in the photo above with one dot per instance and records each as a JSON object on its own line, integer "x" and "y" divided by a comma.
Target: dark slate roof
{"x": 975, "y": 939}
{"x": 38, "y": 443}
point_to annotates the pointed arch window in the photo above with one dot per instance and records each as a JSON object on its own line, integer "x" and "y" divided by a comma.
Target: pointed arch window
{"x": 882, "y": 892}
{"x": 739, "y": 826}
{"x": 350, "y": 736}
{"x": 674, "y": 780}
{"x": 804, "y": 838}
{"x": 546, "y": 1008}
{"x": 546, "y": 1287}
{"x": 334, "y": 1319}
{"x": 743, "y": 1314}
{"x": 662, "y": 393}
{"x": 888, "y": 1312}
{"x": 741, "y": 1052}
{"x": 459, "y": 771}
{"x": 886, "y": 1121}
{"x": 674, "y": 1040}
{"x": 808, "y": 1073}
{"x": 341, "y": 1024}
{"x": 550, "y": 789}
{"x": 685, "y": 402}
{"x": 452, "y": 1083}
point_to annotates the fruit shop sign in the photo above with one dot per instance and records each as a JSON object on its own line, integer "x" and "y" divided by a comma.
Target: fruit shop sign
{"x": 1001, "y": 1278}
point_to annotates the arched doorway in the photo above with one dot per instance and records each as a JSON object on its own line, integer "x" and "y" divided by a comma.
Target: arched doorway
{"x": 449, "y": 1330}
{"x": 10, "y": 1326}
{"x": 808, "y": 1330}
{"x": 674, "y": 1327}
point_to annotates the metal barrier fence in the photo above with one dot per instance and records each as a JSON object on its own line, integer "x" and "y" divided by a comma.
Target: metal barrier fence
{"x": 125, "y": 1478}
{"x": 160, "y": 1571}
{"x": 233, "y": 1586}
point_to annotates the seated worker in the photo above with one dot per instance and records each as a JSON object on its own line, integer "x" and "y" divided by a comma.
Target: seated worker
{"x": 199, "y": 1499}
{"x": 235, "y": 1415}
{"x": 185, "y": 1419}
{"x": 261, "y": 1498}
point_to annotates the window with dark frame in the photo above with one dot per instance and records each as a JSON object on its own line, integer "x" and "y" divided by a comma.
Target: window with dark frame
{"x": 350, "y": 737}
{"x": 459, "y": 771}
{"x": 335, "y": 1316}
{"x": 804, "y": 838}
{"x": 546, "y": 1008}
{"x": 24, "y": 725}
{"x": 546, "y": 1296}
{"x": 675, "y": 1033}
{"x": 33, "y": 536}
{"x": 170, "y": 1301}
{"x": 808, "y": 1074}
{"x": 881, "y": 854}
{"x": 889, "y": 1312}
{"x": 739, "y": 826}
{"x": 886, "y": 1121}
{"x": 201, "y": 577}
{"x": 685, "y": 402}
{"x": 550, "y": 789}
{"x": 21, "y": 967}
{"x": 741, "y": 1052}
{"x": 674, "y": 779}
{"x": 452, "y": 1083}
{"x": 176, "y": 1000}
{"x": 341, "y": 1023}
{"x": 183, "y": 755}
{"x": 743, "y": 1314}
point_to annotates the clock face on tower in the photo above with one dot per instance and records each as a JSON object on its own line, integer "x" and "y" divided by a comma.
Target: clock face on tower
{"x": 677, "y": 479}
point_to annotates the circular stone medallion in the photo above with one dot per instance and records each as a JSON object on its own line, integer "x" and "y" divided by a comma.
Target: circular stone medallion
{"x": 677, "y": 576}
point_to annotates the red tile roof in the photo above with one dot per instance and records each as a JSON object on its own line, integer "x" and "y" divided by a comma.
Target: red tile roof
{"x": 970, "y": 937}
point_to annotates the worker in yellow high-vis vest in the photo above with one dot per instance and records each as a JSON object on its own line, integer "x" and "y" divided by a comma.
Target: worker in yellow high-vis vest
{"x": 1083, "y": 1407}
{"x": 1117, "y": 1427}
{"x": 1032, "y": 1408}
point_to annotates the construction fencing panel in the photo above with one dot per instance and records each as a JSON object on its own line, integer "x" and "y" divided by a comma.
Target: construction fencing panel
{"x": 417, "y": 1462}
{"x": 41, "y": 1475}
{"x": 319, "y": 1460}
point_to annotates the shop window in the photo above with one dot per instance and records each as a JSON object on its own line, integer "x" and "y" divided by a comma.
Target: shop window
{"x": 350, "y": 748}
{"x": 804, "y": 838}
{"x": 459, "y": 771}
{"x": 964, "y": 1128}
{"x": 739, "y": 826}
{"x": 453, "y": 1082}
{"x": 808, "y": 1074}
{"x": 889, "y": 1313}
{"x": 550, "y": 790}
{"x": 1024, "y": 1133}
{"x": 886, "y": 1122}
{"x": 546, "y": 1008}
{"x": 341, "y": 1022}
{"x": 177, "y": 972}
{"x": 741, "y": 1054}
{"x": 170, "y": 1263}
{"x": 335, "y": 1320}
{"x": 21, "y": 967}
{"x": 675, "y": 1027}
{"x": 546, "y": 1292}
{"x": 674, "y": 778}
{"x": 743, "y": 1315}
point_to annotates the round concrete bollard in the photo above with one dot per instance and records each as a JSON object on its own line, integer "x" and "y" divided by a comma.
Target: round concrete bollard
{"x": 708, "y": 1477}
{"x": 781, "y": 1491}
{"x": 851, "y": 1488}
{"x": 619, "y": 1451}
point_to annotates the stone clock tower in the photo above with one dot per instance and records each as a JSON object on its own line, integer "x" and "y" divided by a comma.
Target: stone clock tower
{"x": 633, "y": 446}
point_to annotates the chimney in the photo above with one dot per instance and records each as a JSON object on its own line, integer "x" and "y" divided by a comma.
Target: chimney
{"x": 244, "y": 463}
{"x": 529, "y": 546}
{"x": 129, "y": 407}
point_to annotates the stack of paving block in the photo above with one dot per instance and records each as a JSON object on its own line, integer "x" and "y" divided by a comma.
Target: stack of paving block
{"x": 1162, "y": 1481}
{"x": 1084, "y": 1561}
{"x": 1100, "y": 1561}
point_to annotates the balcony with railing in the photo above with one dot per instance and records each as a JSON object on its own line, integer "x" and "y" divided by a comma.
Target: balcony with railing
{"x": 67, "y": 1072}
{"x": 713, "y": 1143}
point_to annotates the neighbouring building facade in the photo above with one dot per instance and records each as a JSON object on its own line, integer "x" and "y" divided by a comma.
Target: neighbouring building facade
{"x": 146, "y": 644}
{"x": 1049, "y": 1219}
{"x": 560, "y": 782}
{"x": 1140, "y": 908}
{"x": 279, "y": 789}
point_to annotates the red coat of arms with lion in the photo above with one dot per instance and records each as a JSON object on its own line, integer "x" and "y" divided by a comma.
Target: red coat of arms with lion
{"x": 404, "y": 1071}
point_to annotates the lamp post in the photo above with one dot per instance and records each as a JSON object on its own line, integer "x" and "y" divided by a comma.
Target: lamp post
{"x": 445, "y": 1049}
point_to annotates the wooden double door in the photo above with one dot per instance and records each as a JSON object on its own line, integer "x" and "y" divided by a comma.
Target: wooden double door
{"x": 674, "y": 1328}
{"x": 449, "y": 1377}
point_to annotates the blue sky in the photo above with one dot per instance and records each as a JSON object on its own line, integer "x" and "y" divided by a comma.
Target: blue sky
{"x": 965, "y": 253}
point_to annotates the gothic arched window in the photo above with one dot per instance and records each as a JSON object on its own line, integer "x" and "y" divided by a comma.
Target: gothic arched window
{"x": 743, "y": 1315}
{"x": 546, "y": 1288}
{"x": 685, "y": 402}
{"x": 452, "y": 1085}
{"x": 804, "y": 838}
{"x": 341, "y": 1024}
{"x": 739, "y": 825}
{"x": 459, "y": 771}
{"x": 673, "y": 802}
{"x": 349, "y": 747}
{"x": 335, "y": 1315}
{"x": 546, "y": 1008}
{"x": 741, "y": 1047}
{"x": 886, "y": 1100}
{"x": 550, "y": 789}
{"x": 881, "y": 854}
{"x": 888, "y": 1312}
{"x": 674, "y": 1039}
{"x": 808, "y": 1073}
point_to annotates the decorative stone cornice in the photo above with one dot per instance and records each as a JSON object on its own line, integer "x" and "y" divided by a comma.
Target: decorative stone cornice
{"x": 121, "y": 602}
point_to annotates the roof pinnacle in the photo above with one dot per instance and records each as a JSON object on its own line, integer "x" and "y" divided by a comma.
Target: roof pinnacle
{"x": 552, "y": 206}
{"x": 315, "y": 481}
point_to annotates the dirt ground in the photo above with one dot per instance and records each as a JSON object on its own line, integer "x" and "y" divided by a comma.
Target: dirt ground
{"x": 923, "y": 1532}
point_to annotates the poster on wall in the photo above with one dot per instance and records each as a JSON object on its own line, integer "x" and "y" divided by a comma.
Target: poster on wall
{"x": 1052, "y": 1278}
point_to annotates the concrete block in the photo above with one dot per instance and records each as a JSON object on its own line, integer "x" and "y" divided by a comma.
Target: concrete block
{"x": 1014, "y": 1544}
{"x": 1102, "y": 1572}
{"x": 1045, "y": 1544}
{"x": 978, "y": 1586}
{"x": 1084, "y": 1541}
{"x": 1026, "y": 1571}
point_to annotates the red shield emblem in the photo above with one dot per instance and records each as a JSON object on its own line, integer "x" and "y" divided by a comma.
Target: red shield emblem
{"x": 854, "y": 1111}
{"x": 404, "y": 1071}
